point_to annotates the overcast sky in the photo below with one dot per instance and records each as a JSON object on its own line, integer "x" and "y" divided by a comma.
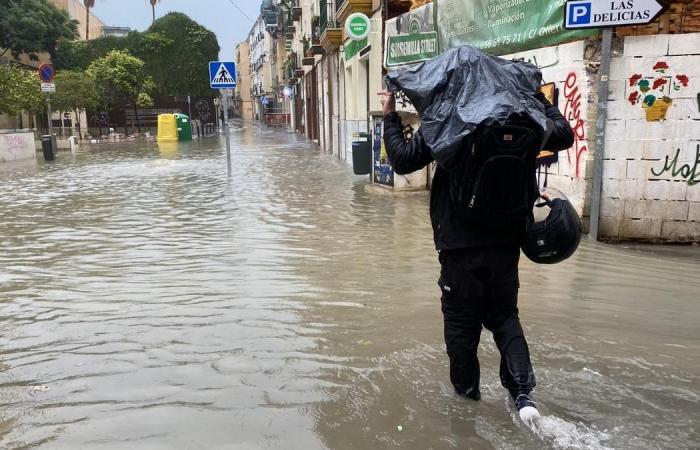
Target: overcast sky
{"x": 220, "y": 16}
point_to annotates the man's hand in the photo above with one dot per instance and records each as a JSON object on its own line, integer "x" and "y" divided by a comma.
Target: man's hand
{"x": 388, "y": 102}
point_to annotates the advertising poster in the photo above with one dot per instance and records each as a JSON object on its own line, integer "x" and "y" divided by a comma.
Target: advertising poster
{"x": 500, "y": 27}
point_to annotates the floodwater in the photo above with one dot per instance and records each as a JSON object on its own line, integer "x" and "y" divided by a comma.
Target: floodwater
{"x": 148, "y": 303}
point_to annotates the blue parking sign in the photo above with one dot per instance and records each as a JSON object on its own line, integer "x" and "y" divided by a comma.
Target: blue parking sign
{"x": 579, "y": 13}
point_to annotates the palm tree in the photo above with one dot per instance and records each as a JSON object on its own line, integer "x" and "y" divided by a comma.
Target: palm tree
{"x": 88, "y": 4}
{"x": 153, "y": 8}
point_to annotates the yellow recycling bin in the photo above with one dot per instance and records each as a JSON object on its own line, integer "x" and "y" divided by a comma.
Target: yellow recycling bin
{"x": 167, "y": 128}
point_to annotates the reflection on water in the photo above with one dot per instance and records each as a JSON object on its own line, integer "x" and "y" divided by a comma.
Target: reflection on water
{"x": 147, "y": 301}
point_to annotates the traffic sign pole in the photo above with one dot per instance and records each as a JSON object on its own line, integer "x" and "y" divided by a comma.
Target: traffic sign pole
{"x": 603, "y": 94}
{"x": 49, "y": 114}
{"x": 224, "y": 98}
{"x": 222, "y": 76}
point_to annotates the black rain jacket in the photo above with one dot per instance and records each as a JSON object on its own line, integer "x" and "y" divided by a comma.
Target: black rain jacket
{"x": 450, "y": 230}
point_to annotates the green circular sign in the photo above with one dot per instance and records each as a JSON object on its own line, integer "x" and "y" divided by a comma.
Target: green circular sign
{"x": 358, "y": 26}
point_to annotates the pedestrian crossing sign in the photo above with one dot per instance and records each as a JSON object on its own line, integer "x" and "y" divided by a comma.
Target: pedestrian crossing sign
{"x": 222, "y": 74}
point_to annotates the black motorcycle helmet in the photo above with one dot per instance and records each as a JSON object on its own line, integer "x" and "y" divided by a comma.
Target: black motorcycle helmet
{"x": 556, "y": 237}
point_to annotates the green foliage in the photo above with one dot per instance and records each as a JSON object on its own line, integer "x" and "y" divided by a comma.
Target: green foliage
{"x": 75, "y": 91}
{"x": 33, "y": 26}
{"x": 120, "y": 78}
{"x": 20, "y": 90}
{"x": 176, "y": 51}
{"x": 144, "y": 101}
{"x": 180, "y": 68}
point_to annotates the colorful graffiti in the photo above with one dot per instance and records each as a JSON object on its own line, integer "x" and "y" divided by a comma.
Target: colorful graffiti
{"x": 573, "y": 113}
{"x": 653, "y": 93}
{"x": 689, "y": 172}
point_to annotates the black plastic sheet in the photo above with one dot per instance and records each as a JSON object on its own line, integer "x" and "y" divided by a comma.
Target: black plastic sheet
{"x": 464, "y": 87}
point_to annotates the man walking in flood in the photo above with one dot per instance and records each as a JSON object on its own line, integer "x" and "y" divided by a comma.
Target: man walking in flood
{"x": 479, "y": 267}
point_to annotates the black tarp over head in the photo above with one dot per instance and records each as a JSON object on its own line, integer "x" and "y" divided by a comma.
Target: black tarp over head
{"x": 464, "y": 87}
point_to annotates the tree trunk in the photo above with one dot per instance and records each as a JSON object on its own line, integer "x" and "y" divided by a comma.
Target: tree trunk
{"x": 87, "y": 23}
{"x": 138, "y": 123}
{"x": 77, "y": 122}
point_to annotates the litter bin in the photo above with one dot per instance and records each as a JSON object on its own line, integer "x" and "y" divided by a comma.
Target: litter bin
{"x": 47, "y": 147}
{"x": 167, "y": 128}
{"x": 184, "y": 127}
{"x": 362, "y": 154}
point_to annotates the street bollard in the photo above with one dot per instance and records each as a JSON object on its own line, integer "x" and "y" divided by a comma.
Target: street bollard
{"x": 47, "y": 147}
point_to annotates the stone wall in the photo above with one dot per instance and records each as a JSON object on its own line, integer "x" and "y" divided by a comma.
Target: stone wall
{"x": 651, "y": 185}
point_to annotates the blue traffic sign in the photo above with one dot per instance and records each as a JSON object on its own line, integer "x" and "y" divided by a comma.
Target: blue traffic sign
{"x": 222, "y": 74}
{"x": 579, "y": 14}
{"x": 46, "y": 73}
{"x": 599, "y": 14}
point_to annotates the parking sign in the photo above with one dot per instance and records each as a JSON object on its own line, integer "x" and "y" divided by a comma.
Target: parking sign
{"x": 598, "y": 13}
{"x": 579, "y": 13}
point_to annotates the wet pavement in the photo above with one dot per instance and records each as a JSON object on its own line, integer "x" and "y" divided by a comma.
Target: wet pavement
{"x": 147, "y": 302}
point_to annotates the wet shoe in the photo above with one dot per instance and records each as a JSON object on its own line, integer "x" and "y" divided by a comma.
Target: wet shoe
{"x": 527, "y": 408}
{"x": 471, "y": 394}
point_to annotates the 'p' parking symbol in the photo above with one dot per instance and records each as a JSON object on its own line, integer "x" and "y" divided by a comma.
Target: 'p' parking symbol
{"x": 579, "y": 13}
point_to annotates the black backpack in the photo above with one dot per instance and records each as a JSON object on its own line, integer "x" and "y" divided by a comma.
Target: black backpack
{"x": 492, "y": 181}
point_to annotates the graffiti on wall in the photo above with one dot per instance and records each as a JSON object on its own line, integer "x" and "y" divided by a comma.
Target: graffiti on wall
{"x": 653, "y": 92}
{"x": 573, "y": 113}
{"x": 16, "y": 146}
{"x": 689, "y": 172}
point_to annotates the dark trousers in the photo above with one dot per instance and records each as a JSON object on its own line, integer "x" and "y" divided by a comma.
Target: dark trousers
{"x": 480, "y": 288}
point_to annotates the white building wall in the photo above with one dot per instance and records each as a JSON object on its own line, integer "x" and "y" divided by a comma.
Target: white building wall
{"x": 651, "y": 186}
{"x": 565, "y": 66}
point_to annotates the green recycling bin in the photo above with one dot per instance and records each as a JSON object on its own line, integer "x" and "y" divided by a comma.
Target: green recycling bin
{"x": 184, "y": 127}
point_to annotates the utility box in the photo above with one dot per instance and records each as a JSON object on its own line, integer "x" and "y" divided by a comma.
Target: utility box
{"x": 184, "y": 127}
{"x": 167, "y": 128}
{"x": 362, "y": 153}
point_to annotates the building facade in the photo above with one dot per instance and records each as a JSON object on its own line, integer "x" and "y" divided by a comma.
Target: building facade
{"x": 651, "y": 159}
{"x": 243, "y": 96}
{"x": 76, "y": 10}
{"x": 260, "y": 45}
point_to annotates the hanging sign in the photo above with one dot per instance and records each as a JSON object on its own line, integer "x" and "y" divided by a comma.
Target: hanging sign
{"x": 358, "y": 26}
{"x": 411, "y": 38}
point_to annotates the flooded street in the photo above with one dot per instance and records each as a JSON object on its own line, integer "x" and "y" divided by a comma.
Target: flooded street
{"x": 146, "y": 302}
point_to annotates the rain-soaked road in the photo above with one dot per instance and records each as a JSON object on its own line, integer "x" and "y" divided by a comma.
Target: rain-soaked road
{"x": 146, "y": 303}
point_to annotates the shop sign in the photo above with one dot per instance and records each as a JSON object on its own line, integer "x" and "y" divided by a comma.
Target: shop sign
{"x": 352, "y": 48}
{"x": 504, "y": 26}
{"x": 358, "y": 26}
{"x": 411, "y": 37}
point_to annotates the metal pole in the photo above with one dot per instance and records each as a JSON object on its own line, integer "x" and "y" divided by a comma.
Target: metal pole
{"x": 224, "y": 98}
{"x": 600, "y": 133}
{"x": 49, "y": 114}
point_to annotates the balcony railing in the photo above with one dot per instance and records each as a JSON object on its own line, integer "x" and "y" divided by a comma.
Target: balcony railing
{"x": 329, "y": 28}
{"x": 328, "y": 17}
